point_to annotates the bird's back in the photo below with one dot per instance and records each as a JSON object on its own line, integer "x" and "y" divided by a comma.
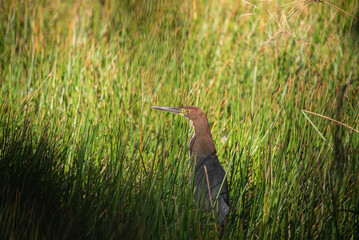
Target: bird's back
{"x": 216, "y": 175}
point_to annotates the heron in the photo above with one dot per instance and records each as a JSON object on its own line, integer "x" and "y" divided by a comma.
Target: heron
{"x": 211, "y": 187}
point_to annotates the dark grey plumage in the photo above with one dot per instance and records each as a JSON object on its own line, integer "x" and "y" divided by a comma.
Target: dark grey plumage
{"x": 216, "y": 175}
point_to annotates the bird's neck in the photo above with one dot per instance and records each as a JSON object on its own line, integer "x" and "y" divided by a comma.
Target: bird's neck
{"x": 201, "y": 144}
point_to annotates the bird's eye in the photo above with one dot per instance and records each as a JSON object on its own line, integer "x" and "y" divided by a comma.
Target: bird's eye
{"x": 185, "y": 111}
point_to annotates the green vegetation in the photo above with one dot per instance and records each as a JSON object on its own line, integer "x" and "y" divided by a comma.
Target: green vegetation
{"x": 83, "y": 155}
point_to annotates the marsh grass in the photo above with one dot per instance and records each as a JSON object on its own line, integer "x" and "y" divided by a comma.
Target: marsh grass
{"x": 82, "y": 154}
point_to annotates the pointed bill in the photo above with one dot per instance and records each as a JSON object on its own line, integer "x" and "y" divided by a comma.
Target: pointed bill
{"x": 175, "y": 110}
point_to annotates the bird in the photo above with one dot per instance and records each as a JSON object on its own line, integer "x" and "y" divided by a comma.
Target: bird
{"x": 207, "y": 171}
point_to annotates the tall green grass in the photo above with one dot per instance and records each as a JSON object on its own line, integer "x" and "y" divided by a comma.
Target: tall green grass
{"x": 82, "y": 154}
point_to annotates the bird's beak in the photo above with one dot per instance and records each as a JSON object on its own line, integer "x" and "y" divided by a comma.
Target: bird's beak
{"x": 176, "y": 110}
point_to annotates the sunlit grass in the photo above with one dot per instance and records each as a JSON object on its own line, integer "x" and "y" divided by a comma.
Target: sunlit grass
{"x": 82, "y": 154}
